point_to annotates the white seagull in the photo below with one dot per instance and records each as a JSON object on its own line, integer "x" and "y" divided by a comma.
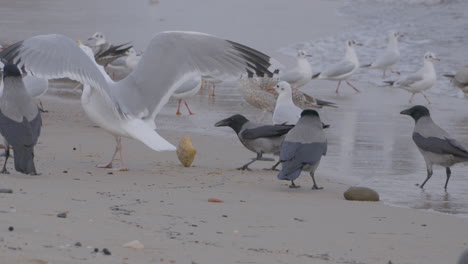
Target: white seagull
{"x": 301, "y": 74}
{"x": 344, "y": 69}
{"x": 390, "y": 57}
{"x": 421, "y": 80}
{"x": 460, "y": 78}
{"x": 286, "y": 112}
{"x": 128, "y": 107}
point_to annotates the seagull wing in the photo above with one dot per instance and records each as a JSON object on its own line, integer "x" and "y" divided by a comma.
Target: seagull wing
{"x": 172, "y": 58}
{"x": 339, "y": 69}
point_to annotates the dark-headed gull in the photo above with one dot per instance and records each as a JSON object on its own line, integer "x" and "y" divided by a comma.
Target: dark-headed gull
{"x": 20, "y": 121}
{"x": 434, "y": 143}
{"x": 129, "y": 107}
{"x": 301, "y": 74}
{"x": 421, "y": 80}
{"x": 104, "y": 51}
{"x": 390, "y": 57}
{"x": 343, "y": 70}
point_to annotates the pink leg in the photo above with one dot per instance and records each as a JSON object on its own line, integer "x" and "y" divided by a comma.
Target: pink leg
{"x": 212, "y": 90}
{"x": 338, "y": 87}
{"x": 355, "y": 89}
{"x": 117, "y": 148}
{"x": 178, "y": 108}
{"x": 186, "y": 105}
{"x": 122, "y": 165}
{"x": 397, "y": 72}
{"x": 426, "y": 98}
{"x": 411, "y": 99}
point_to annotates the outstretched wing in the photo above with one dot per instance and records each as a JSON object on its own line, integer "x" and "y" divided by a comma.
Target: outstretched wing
{"x": 53, "y": 57}
{"x": 172, "y": 58}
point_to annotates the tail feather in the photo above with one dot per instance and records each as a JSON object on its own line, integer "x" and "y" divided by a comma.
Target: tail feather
{"x": 366, "y": 65}
{"x": 325, "y": 103}
{"x": 290, "y": 170}
{"x": 146, "y": 134}
{"x": 451, "y": 76}
{"x": 391, "y": 83}
{"x": 316, "y": 75}
{"x": 24, "y": 159}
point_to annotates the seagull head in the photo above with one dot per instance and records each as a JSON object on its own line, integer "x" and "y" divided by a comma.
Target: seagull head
{"x": 303, "y": 54}
{"x": 98, "y": 37}
{"x": 416, "y": 112}
{"x": 235, "y": 122}
{"x": 429, "y": 56}
{"x": 281, "y": 88}
{"x": 352, "y": 43}
{"x": 10, "y": 70}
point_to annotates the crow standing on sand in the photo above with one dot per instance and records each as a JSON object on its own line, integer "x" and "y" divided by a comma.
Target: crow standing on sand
{"x": 258, "y": 138}
{"x": 434, "y": 143}
{"x": 20, "y": 121}
{"x": 302, "y": 148}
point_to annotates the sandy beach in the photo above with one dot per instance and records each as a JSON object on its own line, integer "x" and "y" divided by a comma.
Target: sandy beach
{"x": 165, "y": 205}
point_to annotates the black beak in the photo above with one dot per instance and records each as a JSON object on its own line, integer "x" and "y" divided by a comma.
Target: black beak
{"x": 405, "y": 112}
{"x": 224, "y": 122}
{"x": 325, "y": 125}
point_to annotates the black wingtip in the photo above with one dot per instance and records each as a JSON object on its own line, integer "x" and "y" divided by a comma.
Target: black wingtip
{"x": 366, "y": 65}
{"x": 451, "y": 76}
{"x": 391, "y": 83}
{"x": 316, "y": 75}
{"x": 326, "y": 103}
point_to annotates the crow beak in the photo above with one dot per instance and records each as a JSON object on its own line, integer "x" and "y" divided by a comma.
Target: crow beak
{"x": 405, "y": 112}
{"x": 224, "y": 122}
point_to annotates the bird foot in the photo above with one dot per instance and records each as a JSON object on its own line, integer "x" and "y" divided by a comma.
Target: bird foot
{"x": 271, "y": 169}
{"x": 178, "y": 113}
{"x": 244, "y": 168}
{"x": 5, "y": 171}
{"x": 294, "y": 186}
{"x": 120, "y": 169}
{"x": 105, "y": 166}
{"x": 35, "y": 174}
{"x": 315, "y": 187}
{"x": 192, "y": 113}
{"x": 43, "y": 110}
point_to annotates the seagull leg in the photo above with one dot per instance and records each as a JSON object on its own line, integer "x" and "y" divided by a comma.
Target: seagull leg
{"x": 212, "y": 89}
{"x": 426, "y": 98}
{"x": 429, "y": 175}
{"x": 178, "y": 108}
{"x": 352, "y": 86}
{"x": 186, "y": 105}
{"x": 383, "y": 76}
{"x": 338, "y": 87}
{"x": 119, "y": 146}
{"x": 315, "y": 187}
{"x": 7, "y": 154}
{"x": 411, "y": 99}
{"x": 294, "y": 186}
{"x": 109, "y": 165}
{"x": 449, "y": 172}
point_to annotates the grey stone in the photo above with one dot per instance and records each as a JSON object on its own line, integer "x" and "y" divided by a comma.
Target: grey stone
{"x": 361, "y": 194}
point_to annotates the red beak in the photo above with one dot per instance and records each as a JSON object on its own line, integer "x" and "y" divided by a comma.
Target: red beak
{"x": 271, "y": 89}
{"x": 91, "y": 38}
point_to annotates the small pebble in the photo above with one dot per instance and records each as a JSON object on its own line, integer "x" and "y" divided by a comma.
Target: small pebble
{"x": 74, "y": 148}
{"x": 65, "y": 171}
{"x": 110, "y": 173}
{"x": 78, "y": 244}
{"x": 62, "y": 215}
{"x": 106, "y": 251}
{"x": 96, "y": 250}
{"x": 6, "y": 191}
{"x": 11, "y": 228}
{"x": 224, "y": 215}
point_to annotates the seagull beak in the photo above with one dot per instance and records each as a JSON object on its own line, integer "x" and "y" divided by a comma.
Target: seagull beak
{"x": 79, "y": 42}
{"x": 224, "y": 122}
{"x": 359, "y": 44}
{"x": 436, "y": 59}
{"x": 308, "y": 55}
{"x": 405, "y": 112}
{"x": 271, "y": 89}
{"x": 91, "y": 38}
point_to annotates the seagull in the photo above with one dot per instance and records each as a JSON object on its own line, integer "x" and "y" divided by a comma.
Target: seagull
{"x": 258, "y": 138}
{"x": 186, "y": 90}
{"x": 460, "y": 78}
{"x": 20, "y": 121}
{"x": 302, "y": 148}
{"x": 104, "y": 51}
{"x": 390, "y": 57}
{"x": 434, "y": 143}
{"x": 301, "y": 74}
{"x": 344, "y": 69}
{"x": 128, "y": 107}
{"x": 421, "y": 80}
{"x": 286, "y": 112}
{"x": 123, "y": 66}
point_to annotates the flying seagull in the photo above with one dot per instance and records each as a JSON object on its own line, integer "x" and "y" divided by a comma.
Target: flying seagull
{"x": 302, "y": 148}
{"x": 301, "y": 74}
{"x": 258, "y": 138}
{"x": 390, "y": 57}
{"x": 344, "y": 69}
{"x": 20, "y": 121}
{"x": 128, "y": 107}
{"x": 421, "y": 80}
{"x": 434, "y": 143}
